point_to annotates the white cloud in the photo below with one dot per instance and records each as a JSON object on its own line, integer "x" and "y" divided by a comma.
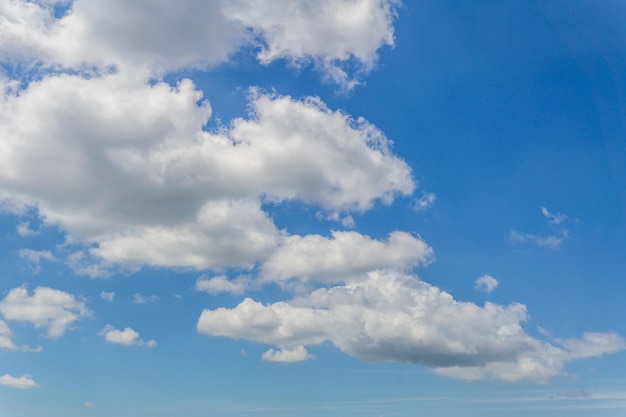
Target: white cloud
{"x": 164, "y": 36}
{"x": 554, "y": 218}
{"x": 34, "y": 257}
{"x": 143, "y": 299}
{"x": 23, "y": 229}
{"x": 6, "y": 343}
{"x": 326, "y": 32}
{"x": 126, "y": 166}
{"x": 22, "y": 382}
{"x": 486, "y": 283}
{"x": 107, "y": 296}
{"x": 5, "y": 337}
{"x": 541, "y": 241}
{"x": 221, "y": 285}
{"x": 126, "y": 337}
{"x": 343, "y": 256}
{"x": 425, "y": 201}
{"x": 54, "y": 309}
{"x": 593, "y": 344}
{"x": 393, "y": 316}
{"x": 89, "y": 404}
{"x": 296, "y": 354}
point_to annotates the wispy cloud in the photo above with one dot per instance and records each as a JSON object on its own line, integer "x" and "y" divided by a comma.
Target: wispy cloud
{"x": 144, "y": 299}
{"x": 425, "y": 201}
{"x": 541, "y": 241}
{"x": 557, "y": 218}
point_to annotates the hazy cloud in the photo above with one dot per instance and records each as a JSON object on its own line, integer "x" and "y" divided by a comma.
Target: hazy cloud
{"x": 107, "y": 296}
{"x": 144, "y": 299}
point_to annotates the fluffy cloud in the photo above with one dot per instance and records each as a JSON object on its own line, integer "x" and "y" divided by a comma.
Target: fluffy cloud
{"x": 126, "y": 337}
{"x": 164, "y": 36}
{"x": 22, "y": 382}
{"x": 346, "y": 255}
{"x": 296, "y": 354}
{"x": 486, "y": 283}
{"x": 393, "y": 316}
{"x": 127, "y": 166}
{"x": 53, "y": 309}
{"x": 327, "y": 32}
{"x": 221, "y": 284}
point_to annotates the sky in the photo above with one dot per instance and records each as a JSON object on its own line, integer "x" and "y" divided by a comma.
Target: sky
{"x": 302, "y": 208}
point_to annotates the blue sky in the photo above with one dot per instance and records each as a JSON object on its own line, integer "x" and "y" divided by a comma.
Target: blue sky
{"x": 303, "y": 208}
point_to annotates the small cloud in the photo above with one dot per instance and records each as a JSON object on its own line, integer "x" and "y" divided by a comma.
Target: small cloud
{"x": 34, "y": 257}
{"x": 221, "y": 285}
{"x": 143, "y": 299}
{"x": 557, "y": 218}
{"x": 23, "y": 229}
{"x": 583, "y": 393}
{"x": 82, "y": 263}
{"x": 541, "y": 241}
{"x": 107, "y": 296}
{"x": 22, "y": 382}
{"x": 126, "y": 337}
{"x": 346, "y": 221}
{"x": 486, "y": 283}
{"x": 89, "y": 404}
{"x": 424, "y": 202}
{"x": 297, "y": 354}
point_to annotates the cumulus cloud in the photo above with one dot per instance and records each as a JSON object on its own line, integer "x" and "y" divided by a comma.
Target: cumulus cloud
{"x": 89, "y": 404}
{"x": 22, "y": 382}
{"x": 327, "y": 32}
{"x": 394, "y": 316}
{"x": 486, "y": 283}
{"x": 165, "y": 37}
{"x": 126, "y": 337}
{"x": 221, "y": 285}
{"x": 127, "y": 167}
{"x": 343, "y": 256}
{"x": 296, "y": 354}
{"x": 46, "y": 307}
